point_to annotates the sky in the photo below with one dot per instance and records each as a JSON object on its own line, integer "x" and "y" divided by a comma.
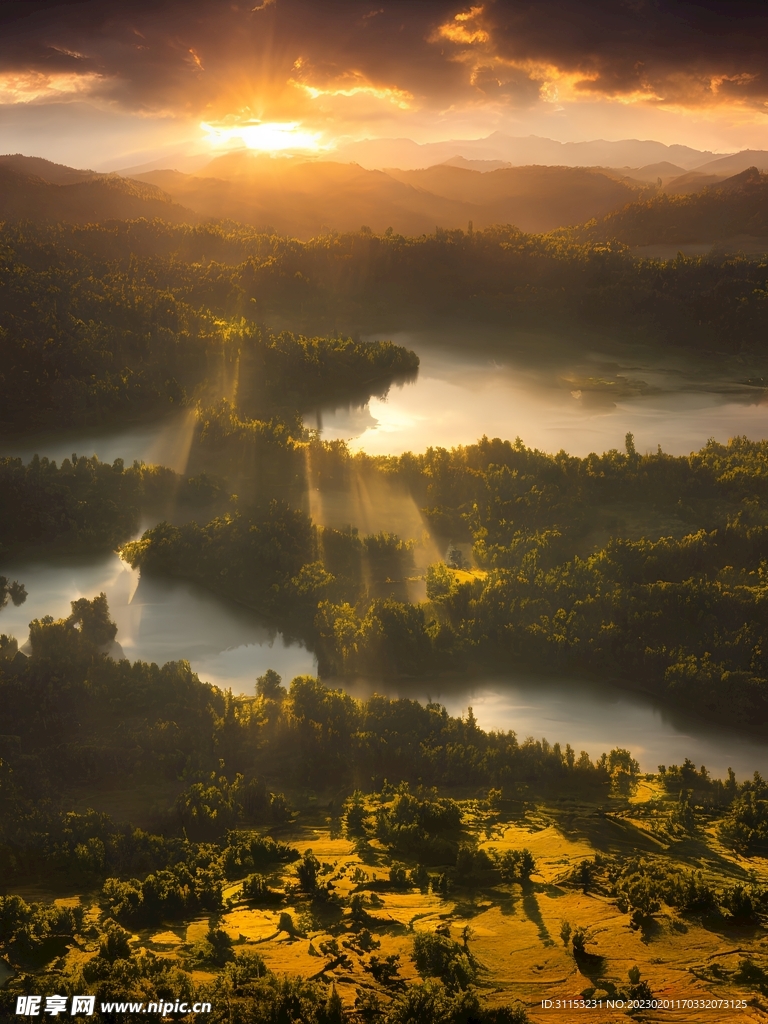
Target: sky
{"x": 108, "y": 84}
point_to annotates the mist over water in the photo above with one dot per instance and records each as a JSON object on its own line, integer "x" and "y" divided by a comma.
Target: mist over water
{"x": 159, "y": 620}
{"x": 549, "y": 394}
{"x": 229, "y": 645}
{"x": 469, "y": 384}
{"x": 591, "y": 716}
{"x": 165, "y": 442}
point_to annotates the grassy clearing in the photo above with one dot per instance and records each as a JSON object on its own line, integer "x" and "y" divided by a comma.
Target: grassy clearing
{"x": 356, "y": 928}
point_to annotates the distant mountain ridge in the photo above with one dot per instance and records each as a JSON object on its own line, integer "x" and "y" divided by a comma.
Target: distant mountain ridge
{"x": 47, "y": 170}
{"x": 737, "y": 206}
{"x": 736, "y": 162}
{"x": 38, "y": 190}
{"x": 520, "y": 151}
{"x": 303, "y": 198}
{"x": 306, "y": 198}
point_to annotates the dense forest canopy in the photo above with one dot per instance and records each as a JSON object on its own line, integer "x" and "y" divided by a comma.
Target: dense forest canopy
{"x": 131, "y": 318}
{"x": 736, "y": 206}
{"x": 87, "y": 338}
{"x": 648, "y": 568}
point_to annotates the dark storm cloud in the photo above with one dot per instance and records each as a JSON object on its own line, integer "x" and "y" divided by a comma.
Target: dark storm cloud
{"x": 691, "y": 53}
{"x": 203, "y": 57}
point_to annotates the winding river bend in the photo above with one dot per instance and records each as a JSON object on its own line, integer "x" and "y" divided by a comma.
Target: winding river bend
{"x": 462, "y": 391}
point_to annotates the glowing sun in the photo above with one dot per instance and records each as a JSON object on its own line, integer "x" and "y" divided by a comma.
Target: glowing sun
{"x": 266, "y": 137}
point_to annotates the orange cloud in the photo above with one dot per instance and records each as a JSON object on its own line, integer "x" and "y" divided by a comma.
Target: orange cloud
{"x": 463, "y": 28}
{"x": 353, "y": 83}
{"x": 29, "y": 86}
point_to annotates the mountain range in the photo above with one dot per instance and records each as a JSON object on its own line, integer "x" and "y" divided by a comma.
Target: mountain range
{"x": 38, "y": 190}
{"x": 304, "y": 198}
{"x": 522, "y": 150}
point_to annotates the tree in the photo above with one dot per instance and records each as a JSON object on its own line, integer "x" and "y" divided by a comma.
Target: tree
{"x": 398, "y": 877}
{"x": 13, "y": 589}
{"x": 93, "y": 621}
{"x": 115, "y": 942}
{"x": 517, "y": 865}
{"x": 438, "y": 956}
{"x": 307, "y": 871}
{"x": 579, "y": 941}
{"x": 270, "y": 686}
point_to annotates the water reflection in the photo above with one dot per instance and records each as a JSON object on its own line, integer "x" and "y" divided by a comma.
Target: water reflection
{"x": 159, "y": 620}
{"x": 593, "y": 717}
{"x": 166, "y": 442}
{"x": 482, "y": 383}
{"x": 547, "y": 396}
{"x": 164, "y": 620}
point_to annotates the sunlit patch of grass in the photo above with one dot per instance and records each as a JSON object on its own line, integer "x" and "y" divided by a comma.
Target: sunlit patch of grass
{"x": 253, "y": 925}
{"x": 165, "y": 938}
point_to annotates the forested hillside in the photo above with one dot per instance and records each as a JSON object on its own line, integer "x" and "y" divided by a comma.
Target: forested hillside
{"x": 129, "y": 318}
{"x": 736, "y": 206}
{"x": 89, "y": 335}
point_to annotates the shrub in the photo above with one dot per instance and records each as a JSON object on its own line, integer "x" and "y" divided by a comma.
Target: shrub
{"x": 438, "y": 956}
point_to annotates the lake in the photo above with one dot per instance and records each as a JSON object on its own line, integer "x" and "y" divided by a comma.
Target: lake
{"x": 158, "y": 620}
{"x": 466, "y": 387}
{"x": 537, "y": 389}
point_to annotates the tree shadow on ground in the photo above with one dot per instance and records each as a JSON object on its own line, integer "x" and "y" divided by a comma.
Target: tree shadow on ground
{"x": 531, "y": 910}
{"x": 592, "y": 966}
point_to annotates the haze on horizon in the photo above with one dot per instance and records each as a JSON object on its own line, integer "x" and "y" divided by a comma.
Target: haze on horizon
{"x": 105, "y": 84}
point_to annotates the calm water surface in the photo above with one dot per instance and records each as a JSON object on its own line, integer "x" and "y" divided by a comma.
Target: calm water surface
{"x": 159, "y": 620}
{"x": 552, "y": 402}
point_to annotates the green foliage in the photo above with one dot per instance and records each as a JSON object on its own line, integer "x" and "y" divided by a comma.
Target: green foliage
{"x": 684, "y": 614}
{"x": 32, "y": 930}
{"x": 307, "y": 871}
{"x": 141, "y": 976}
{"x": 355, "y": 815}
{"x": 115, "y": 942}
{"x": 420, "y": 878}
{"x": 745, "y": 826}
{"x": 640, "y": 885}
{"x": 215, "y": 948}
{"x": 579, "y": 941}
{"x": 434, "y": 1003}
{"x": 176, "y": 892}
{"x": 122, "y": 721}
{"x": 11, "y": 589}
{"x": 438, "y": 956}
{"x": 85, "y": 503}
{"x": 244, "y": 852}
{"x": 256, "y": 887}
{"x": 269, "y": 686}
{"x": 441, "y": 583}
{"x": 737, "y": 206}
{"x": 638, "y": 989}
{"x": 385, "y": 969}
{"x": 417, "y": 825}
{"x": 94, "y": 329}
{"x": 516, "y": 865}
{"x": 398, "y": 877}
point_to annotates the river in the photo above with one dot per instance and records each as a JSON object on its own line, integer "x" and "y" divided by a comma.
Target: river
{"x": 462, "y": 391}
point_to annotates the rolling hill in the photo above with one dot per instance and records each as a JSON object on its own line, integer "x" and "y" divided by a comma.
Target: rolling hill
{"x": 81, "y": 197}
{"x": 305, "y": 198}
{"x": 735, "y": 206}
